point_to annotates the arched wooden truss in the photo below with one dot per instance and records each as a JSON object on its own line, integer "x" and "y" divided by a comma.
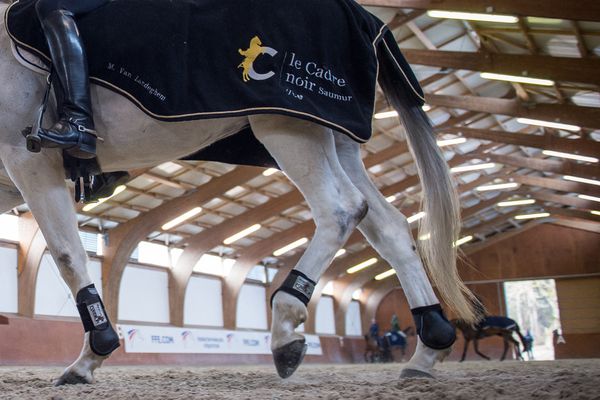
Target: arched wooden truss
{"x": 234, "y": 198}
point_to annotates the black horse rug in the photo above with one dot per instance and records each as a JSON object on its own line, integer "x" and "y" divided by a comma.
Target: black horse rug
{"x": 191, "y": 59}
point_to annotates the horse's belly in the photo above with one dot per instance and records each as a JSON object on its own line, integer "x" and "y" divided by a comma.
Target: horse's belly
{"x": 134, "y": 140}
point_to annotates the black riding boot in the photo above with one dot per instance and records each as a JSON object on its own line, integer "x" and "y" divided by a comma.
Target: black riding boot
{"x": 74, "y": 131}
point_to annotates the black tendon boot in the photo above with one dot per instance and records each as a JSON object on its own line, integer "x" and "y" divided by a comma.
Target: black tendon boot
{"x": 74, "y": 131}
{"x": 103, "y": 338}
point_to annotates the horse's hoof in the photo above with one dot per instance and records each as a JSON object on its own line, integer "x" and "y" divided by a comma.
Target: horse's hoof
{"x": 289, "y": 357}
{"x": 71, "y": 378}
{"x": 408, "y": 373}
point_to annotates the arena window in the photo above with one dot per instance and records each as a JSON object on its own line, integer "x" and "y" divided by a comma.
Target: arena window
{"x": 214, "y": 265}
{"x": 9, "y": 227}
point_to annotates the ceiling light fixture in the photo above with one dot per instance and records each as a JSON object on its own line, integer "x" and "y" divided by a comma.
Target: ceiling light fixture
{"x": 505, "y": 19}
{"x": 581, "y": 180}
{"x": 386, "y": 114}
{"x": 290, "y": 247}
{"x": 362, "y": 265}
{"x": 548, "y": 124}
{"x": 386, "y": 274}
{"x": 464, "y": 240}
{"x": 499, "y": 186}
{"x": 270, "y": 171}
{"x": 415, "y": 217}
{"x": 450, "y": 142}
{"x": 513, "y": 203}
{"x": 532, "y": 216}
{"x": 182, "y": 218}
{"x": 242, "y": 234}
{"x": 91, "y": 206}
{"x": 590, "y": 198}
{"x": 392, "y": 114}
{"x": 570, "y": 156}
{"x": 340, "y": 253}
{"x": 473, "y": 167}
{"x": 517, "y": 79}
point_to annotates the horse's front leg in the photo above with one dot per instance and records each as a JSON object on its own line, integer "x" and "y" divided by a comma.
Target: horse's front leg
{"x": 306, "y": 153}
{"x": 39, "y": 178}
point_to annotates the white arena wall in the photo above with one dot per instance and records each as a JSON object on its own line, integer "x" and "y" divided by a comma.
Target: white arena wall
{"x": 144, "y": 301}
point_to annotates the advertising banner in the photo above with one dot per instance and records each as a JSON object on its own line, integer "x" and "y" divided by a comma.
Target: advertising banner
{"x": 163, "y": 339}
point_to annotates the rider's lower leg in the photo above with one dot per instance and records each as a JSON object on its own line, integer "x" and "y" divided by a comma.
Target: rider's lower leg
{"x": 75, "y": 129}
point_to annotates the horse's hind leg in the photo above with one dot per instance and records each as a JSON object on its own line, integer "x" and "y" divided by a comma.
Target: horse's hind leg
{"x": 517, "y": 347}
{"x": 476, "y": 346}
{"x": 306, "y": 153}
{"x": 388, "y": 231}
{"x": 40, "y": 179}
{"x": 464, "y": 354}
{"x": 505, "y": 341}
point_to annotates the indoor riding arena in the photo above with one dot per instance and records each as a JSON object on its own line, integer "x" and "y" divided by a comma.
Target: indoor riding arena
{"x": 260, "y": 262}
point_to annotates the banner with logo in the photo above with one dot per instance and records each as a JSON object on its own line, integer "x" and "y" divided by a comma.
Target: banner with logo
{"x": 162, "y": 339}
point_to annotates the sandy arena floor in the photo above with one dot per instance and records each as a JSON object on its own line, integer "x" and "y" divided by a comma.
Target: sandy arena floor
{"x": 568, "y": 379}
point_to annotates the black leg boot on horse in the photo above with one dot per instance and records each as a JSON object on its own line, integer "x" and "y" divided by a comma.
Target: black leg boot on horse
{"x": 74, "y": 132}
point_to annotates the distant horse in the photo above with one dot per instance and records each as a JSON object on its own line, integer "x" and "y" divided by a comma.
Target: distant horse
{"x": 397, "y": 339}
{"x": 380, "y": 349}
{"x": 376, "y": 351}
{"x": 490, "y": 326}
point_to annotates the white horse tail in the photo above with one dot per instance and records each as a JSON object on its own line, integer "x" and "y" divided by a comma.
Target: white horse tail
{"x": 441, "y": 222}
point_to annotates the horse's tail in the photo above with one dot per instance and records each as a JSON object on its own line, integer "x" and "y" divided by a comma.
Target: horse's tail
{"x": 440, "y": 201}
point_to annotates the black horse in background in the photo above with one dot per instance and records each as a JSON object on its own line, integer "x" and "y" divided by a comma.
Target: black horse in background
{"x": 380, "y": 349}
{"x": 490, "y": 326}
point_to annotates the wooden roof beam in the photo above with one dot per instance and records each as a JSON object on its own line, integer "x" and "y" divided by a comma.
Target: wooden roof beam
{"x": 583, "y": 70}
{"x": 546, "y": 142}
{"x": 583, "y": 10}
{"x": 557, "y": 184}
{"x": 557, "y": 167}
{"x": 588, "y": 117}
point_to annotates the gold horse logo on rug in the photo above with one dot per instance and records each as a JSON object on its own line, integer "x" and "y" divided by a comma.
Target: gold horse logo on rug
{"x": 251, "y": 54}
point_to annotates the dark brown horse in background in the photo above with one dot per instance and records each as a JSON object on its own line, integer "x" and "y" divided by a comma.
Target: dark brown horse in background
{"x": 490, "y": 326}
